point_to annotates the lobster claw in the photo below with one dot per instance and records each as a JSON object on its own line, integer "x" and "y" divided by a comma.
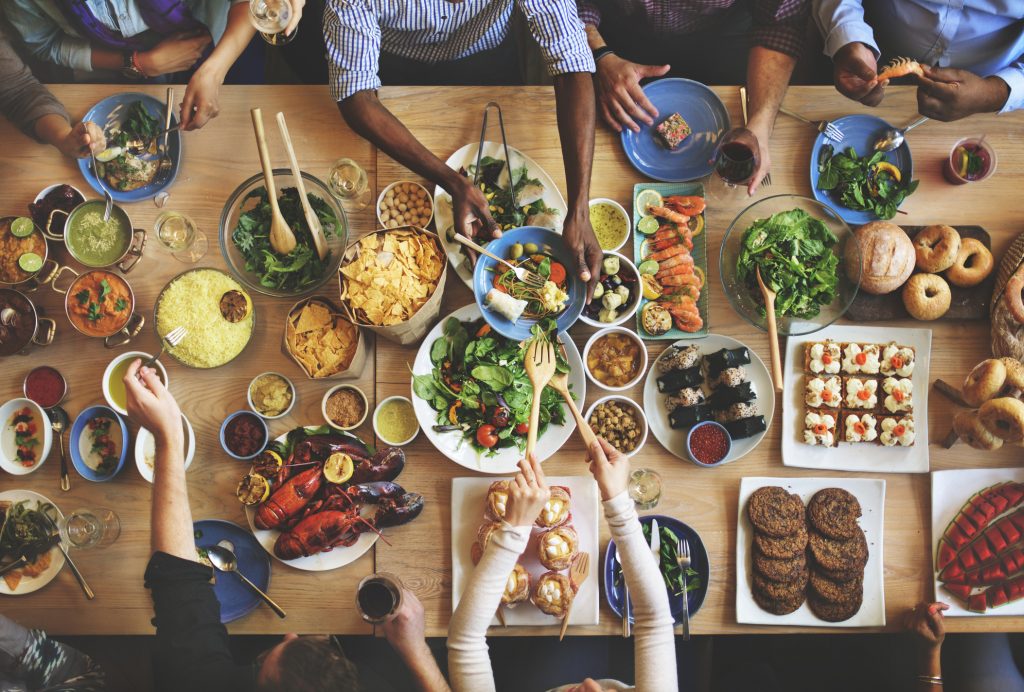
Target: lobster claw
{"x": 398, "y": 511}
{"x": 385, "y": 465}
{"x": 376, "y": 491}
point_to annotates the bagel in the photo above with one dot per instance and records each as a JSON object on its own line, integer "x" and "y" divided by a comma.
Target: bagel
{"x": 1013, "y": 295}
{"x": 973, "y": 264}
{"x": 926, "y": 296}
{"x": 937, "y": 248}
{"x": 984, "y": 382}
{"x": 1003, "y": 417}
{"x": 968, "y": 428}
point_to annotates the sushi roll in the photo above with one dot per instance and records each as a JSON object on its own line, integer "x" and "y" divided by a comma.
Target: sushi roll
{"x": 746, "y": 427}
{"x": 715, "y": 363}
{"x": 674, "y": 380}
{"x": 683, "y": 417}
{"x": 736, "y": 412}
{"x": 723, "y": 397}
{"x": 505, "y": 305}
{"x": 684, "y": 397}
{"x": 679, "y": 359}
{"x": 730, "y": 377}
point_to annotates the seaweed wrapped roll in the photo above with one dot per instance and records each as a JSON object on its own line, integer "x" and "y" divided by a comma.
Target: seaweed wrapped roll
{"x": 688, "y": 416}
{"x": 724, "y": 359}
{"x": 746, "y": 427}
{"x": 736, "y": 412}
{"x": 723, "y": 397}
{"x": 674, "y": 380}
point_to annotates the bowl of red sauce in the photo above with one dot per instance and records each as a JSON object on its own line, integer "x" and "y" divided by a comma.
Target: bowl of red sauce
{"x": 243, "y": 435}
{"x": 708, "y": 443}
{"x": 45, "y": 386}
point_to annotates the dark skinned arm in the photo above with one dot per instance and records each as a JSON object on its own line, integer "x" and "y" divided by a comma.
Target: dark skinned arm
{"x": 768, "y": 73}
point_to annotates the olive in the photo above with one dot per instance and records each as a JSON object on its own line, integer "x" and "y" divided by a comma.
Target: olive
{"x": 615, "y": 280}
{"x": 531, "y": 248}
{"x": 516, "y": 251}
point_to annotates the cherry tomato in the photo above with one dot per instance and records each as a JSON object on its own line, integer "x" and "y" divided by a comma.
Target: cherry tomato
{"x": 522, "y": 428}
{"x": 486, "y": 437}
{"x": 501, "y": 417}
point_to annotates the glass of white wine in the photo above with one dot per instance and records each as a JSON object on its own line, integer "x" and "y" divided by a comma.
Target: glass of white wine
{"x": 645, "y": 488}
{"x": 180, "y": 236}
{"x": 271, "y": 17}
{"x": 95, "y": 527}
{"x": 349, "y": 184}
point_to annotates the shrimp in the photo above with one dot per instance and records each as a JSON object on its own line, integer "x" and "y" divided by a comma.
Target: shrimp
{"x": 677, "y": 264}
{"x": 685, "y": 313}
{"x": 684, "y": 239}
{"x": 900, "y": 67}
{"x": 669, "y": 252}
{"x": 690, "y": 206}
{"x": 687, "y": 279}
{"x": 669, "y": 215}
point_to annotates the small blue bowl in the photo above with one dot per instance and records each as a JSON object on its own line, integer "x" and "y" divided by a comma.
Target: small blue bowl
{"x": 79, "y": 429}
{"x": 483, "y": 280}
{"x": 224, "y": 427}
{"x": 689, "y": 449}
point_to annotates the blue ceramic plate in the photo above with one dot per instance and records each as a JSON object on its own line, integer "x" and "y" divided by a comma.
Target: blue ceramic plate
{"x": 483, "y": 279}
{"x": 859, "y": 132}
{"x": 235, "y": 596}
{"x": 79, "y": 438}
{"x": 99, "y": 114}
{"x": 699, "y": 562}
{"x": 702, "y": 110}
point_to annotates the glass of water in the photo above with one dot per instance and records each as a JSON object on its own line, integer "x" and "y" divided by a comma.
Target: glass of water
{"x": 645, "y": 488}
{"x": 95, "y": 527}
{"x": 180, "y": 236}
{"x": 271, "y": 17}
{"x": 349, "y": 183}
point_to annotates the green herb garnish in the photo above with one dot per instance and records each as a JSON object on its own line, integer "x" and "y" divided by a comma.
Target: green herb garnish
{"x": 95, "y": 313}
{"x": 862, "y": 183}
{"x": 121, "y": 304}
{"x": 82, "y": 296}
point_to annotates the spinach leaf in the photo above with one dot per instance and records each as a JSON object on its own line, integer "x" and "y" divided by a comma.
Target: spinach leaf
{"x": 494, "y": 376}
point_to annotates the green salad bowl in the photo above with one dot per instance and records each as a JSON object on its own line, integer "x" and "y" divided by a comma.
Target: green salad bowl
{"x": 745, "y": 296}
{"x": 245, "y": 245}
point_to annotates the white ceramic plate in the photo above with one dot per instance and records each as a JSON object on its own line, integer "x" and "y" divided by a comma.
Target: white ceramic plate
{"x": 468, "y": 501}
{"x": 146, "y": 445}
{"x": 30, "y": 584}
{"x": 950, "y": 491}
{"x": 466, "y": 157}
{"x": 8, "y": 449}
{"x": 850, "y": 456}
{"x": 321, "y": 562}
{"x": 870, "y": 493}
{"x": 454, "y": 446}
{"x": 675, "y": 440}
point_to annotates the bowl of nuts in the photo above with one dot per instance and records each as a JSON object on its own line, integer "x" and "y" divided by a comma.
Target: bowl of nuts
{"x": 620, "y": 422}
{"x": 405, "y": 203}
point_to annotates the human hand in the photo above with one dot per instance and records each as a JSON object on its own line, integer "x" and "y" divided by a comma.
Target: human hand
{"x": 201, "y": 101}
{"x": 757, "y": 136}
{"x": 619, "y": 95}
{"x": 528, "y": 492}
{"x": 469, "y": 210}
{"x": 855, "y": 70}
{"x": 949, "y": 94}
{"x": 925, "y": 622}
{"x": 176, "y": 53}
{"x": 82, "y": 139}
{"x": 610, "y": 468}
{"x": 406, "y": 631}
{"x": 579, "y": 236}
{"x": 297, "y": 6}
{"x": 151, "y": 405}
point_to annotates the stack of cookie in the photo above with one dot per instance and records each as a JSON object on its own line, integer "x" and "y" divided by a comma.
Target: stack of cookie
{"x": 839, "y": 551}
{"x": 780, "y": 549}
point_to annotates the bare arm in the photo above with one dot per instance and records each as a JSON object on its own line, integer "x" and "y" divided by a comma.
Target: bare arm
{"x": 768, "y": 73}
{"x": 201, "y": 102}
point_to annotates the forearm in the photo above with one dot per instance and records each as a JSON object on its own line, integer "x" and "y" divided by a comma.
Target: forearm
{"x": 574, "y": 98}
{"x": 768, "y": 73}
{"x": 594, "y": 38}
{"x": 52, "y": 129}
{"x": 426, "y": 675}
{"x": 237, "y": 35}
{"x": 928, "y": 664}
{"x": 106, "y": 59}
{"x": 171, "y": 518}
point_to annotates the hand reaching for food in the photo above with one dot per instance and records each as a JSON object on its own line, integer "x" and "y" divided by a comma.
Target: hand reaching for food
{"x": 151, "y": 405}
{"x": 610, "y": 468}
{"x": 470, "y": 212}
{"x": 619, "y": 95}
{"x": 528, "y": 493}
{"x": 855, "y": 73}
{"x": 82, "y": 139}
{"x": 949, "y": 94}
{"x": 926, "y": 623}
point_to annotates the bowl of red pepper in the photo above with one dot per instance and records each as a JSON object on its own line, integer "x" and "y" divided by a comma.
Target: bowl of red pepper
{"x": 708, "y": 444}
{"x": 243, "y": 435}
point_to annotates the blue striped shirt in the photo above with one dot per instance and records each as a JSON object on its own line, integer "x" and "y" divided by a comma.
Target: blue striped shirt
{"x": 432, "y": 31}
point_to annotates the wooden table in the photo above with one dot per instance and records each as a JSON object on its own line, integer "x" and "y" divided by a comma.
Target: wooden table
{"x": 219, "y": 157}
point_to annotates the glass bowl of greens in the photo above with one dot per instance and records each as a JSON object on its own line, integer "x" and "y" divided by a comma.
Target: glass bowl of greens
{"x": 798, "y": 243}
{"x": 245, "y": 236}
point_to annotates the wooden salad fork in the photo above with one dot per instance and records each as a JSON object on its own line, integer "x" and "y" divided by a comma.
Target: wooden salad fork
{"x": 540, "y": 367}
{"x": 312, "y": 220}
{"x": 579, "y": 570}
{"x": 560, "y": 383}
{"x": 773, "y": 330}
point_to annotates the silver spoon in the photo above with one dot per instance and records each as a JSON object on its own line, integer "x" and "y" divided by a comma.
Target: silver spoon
{"x": 225, "y": 561}
{"x": 893, "y": 137}
{"x": 59, "y": 422}
{"x": 106, "y": 194}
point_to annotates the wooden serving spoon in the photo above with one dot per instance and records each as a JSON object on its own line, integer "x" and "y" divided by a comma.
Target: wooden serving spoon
{"x": 312, "y": 220}
{"x": 560, "y": 383}
{"x": 773, "y": 331}
{"x": 540, "y": 366}
{"x": 281, "y": 237}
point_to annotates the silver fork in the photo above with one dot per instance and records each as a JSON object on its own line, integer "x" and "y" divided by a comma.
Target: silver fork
{"x": 532, "y": 279}
{"x": 683, "y": 560}
{"x": 826, "y": 126}
{"x": 173, "y": 338}
{"x": 767, "y": 179}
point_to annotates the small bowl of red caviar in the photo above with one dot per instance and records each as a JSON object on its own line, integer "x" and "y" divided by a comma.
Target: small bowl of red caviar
{"x": 708, "y": 444}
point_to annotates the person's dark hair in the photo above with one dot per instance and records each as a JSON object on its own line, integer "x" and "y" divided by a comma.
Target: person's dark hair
{"x": 312, "y": 664}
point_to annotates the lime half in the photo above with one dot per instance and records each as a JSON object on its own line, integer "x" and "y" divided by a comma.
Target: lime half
{"x": 648, "y": 225}
{"x": 648, "y": 267}
{"x": 22, "y": 227}
{"x": 30, "y": 262}
{"x": 648, "y": 198}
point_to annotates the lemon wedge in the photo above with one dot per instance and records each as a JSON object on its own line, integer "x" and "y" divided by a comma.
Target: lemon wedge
{"x": 338, "y": 468}
{"x": 885, "y": 166}
{"x": 652, "y": 289}
{"x": 648, "y": 198}
{"x": 108, "y": 154}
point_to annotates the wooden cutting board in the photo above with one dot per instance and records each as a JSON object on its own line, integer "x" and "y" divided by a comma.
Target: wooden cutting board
{"x": 967, "y": 303}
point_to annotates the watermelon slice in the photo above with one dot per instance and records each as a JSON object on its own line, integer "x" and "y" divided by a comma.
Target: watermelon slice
{"x": 945, "y": 554}
{"x": 982, "y": 551}
{"x": 957, "y": 538}
{"x": 1009, "y": 531}
{"x": 995, "y": 539}
{"x": 960, "y": 591}
{"x": 1014, "y": 492}
{"x": 977, "y": 603}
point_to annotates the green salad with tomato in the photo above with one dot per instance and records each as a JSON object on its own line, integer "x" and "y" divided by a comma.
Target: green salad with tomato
{"x": 479, "y": 386}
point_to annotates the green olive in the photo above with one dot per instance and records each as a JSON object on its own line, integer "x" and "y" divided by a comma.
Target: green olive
{"x": 531, "y": 248}
{"x": 516, "y": 251}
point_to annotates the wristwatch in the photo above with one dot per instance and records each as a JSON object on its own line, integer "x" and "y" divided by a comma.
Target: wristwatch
{"x": 130, "y": 66}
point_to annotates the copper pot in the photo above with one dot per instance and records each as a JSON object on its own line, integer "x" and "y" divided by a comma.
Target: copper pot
{"x": 118, "y": 334}
{"x": 21, "y": 325}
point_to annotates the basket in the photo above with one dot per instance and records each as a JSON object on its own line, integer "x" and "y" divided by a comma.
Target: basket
{"x": 1007, "y": 333}
{"x": 355, "y": 367}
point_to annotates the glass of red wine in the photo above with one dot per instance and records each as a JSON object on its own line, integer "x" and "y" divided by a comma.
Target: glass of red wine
{"x": 378, "y": 597}
{"x": 736, "y": 160}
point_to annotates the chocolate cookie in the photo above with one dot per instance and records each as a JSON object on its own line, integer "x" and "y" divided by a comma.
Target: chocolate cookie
{"x": 775, "y": 512}
{"x": 779, "y": 606}
{"x": 839, "y": 556}
{"x": 838, "y": 592}
{"x": 834, "y": 512}
{"x": 785, "y": 570}
{"x": 833, "y": 612}
{"x": 779, "y": 598}
{"x": 781, "y": 548}
{"x": 835, "y": 575}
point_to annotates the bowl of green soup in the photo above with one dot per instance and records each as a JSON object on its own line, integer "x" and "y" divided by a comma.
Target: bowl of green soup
{"x": 610, "y": 222}
{"x": 97, "y": 243}
{"x": 114, "y": 392}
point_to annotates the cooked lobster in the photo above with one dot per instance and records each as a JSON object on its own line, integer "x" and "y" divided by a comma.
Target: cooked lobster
{"x": 290, "y": 499}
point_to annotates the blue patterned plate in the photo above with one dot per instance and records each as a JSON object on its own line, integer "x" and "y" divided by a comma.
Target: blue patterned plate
{"x": 235, "y": 596}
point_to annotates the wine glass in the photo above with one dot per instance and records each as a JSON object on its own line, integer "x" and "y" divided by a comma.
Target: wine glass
{"x": 349, "y": 183}
{"x": 645, "y": 488}
{"x": 180, "y": 236}
{"x": 271, "y": 18}
{"x": 90, "y": 527}
{"x": 736, "y": 159}
{"x": 378, "y": 597}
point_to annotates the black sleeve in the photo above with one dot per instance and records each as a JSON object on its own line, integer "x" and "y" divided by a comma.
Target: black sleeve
{"x": 191, "y": 643}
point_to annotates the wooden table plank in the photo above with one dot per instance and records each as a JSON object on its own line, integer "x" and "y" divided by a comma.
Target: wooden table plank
{"x": 704, "y": 498}
{"x": 217, "y": 159}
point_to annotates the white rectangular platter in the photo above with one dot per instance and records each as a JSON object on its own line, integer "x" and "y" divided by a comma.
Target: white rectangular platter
{"x": 870, "y": 492}
{"x": 870, "y": 457}
{"x": 468, "y": 501}
{"x": 950, "y": 491}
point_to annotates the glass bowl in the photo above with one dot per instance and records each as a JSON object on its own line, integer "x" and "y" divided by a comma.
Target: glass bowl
{"x": 746, "y": 300}
{"x": 238, "y": 203}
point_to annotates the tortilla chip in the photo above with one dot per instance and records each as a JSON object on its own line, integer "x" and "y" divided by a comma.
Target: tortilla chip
{"x": 12, "y": 579}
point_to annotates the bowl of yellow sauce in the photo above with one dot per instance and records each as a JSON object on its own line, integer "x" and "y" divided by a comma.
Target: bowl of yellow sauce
{"x": 610, "y": 222}
{"x": 395, "y": 422}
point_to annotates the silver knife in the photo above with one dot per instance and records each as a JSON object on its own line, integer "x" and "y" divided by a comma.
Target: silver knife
{"x": 625, "y": 600}
{"x": 656, "y": 543}
{"x": 71, "y": 563}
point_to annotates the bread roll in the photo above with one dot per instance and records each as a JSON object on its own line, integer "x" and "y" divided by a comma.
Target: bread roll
{"x": 887, "y": 257}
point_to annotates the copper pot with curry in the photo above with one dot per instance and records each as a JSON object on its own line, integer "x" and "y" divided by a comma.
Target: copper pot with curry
{"x": 97, "y": 243}
{"x": 24, "y": 255}
{"x": 101, "y": 304}
{"x": 21, "y": 325}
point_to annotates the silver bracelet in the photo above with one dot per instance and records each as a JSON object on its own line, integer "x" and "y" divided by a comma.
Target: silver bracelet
{"x": 932, "y": 679}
